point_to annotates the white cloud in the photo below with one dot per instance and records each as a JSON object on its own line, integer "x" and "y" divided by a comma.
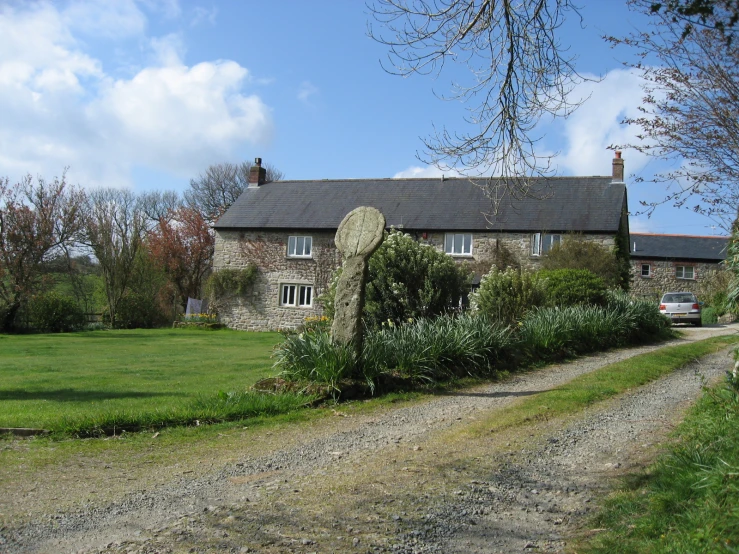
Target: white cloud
{"x": 60, "y": 108}
{"x": 429, "y": 171}
{"x": 168, "y": 50}
{"x": 169, "y": 8}
{"x": 201, "y": 15}
{"x": 641, "y": 225}
{"x": 597, "y": 124}
{"x": 121, "y": 18}
{"x": 306, "y": 90}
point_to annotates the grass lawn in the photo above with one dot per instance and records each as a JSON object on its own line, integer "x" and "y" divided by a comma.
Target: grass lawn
{"x": 47, "y": 379}
{"x": 688, "y": 500}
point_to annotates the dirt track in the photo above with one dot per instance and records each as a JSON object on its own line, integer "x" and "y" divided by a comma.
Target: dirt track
{"x": 419, "y": 478}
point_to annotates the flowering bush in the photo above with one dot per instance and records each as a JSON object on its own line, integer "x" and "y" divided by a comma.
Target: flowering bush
{"x": 198, "y": 318}
{"x": 407, "y": 279}
{"x": 315, "y": 324}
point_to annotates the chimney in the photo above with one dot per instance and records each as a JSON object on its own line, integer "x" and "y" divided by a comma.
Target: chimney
{"x": 257, "y": 174}
{"x": 618, "y": 168}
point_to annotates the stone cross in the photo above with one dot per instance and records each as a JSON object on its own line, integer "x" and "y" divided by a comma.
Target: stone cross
{"x": 359, "y": 235}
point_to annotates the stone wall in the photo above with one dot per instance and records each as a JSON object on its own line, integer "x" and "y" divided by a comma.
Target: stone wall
{"x": 487, "y": 247}
{"x": 261, "y": 310}
{"x": 662, "y": 277}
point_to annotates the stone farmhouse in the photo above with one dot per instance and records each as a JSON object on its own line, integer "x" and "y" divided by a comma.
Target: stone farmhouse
{"x": 661, "y": 263}
{"x": 287, "y": 229}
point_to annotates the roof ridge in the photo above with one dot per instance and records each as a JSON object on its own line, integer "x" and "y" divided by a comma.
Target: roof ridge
{"x": 679, "y": 235}
{"x": 437, "y": 178}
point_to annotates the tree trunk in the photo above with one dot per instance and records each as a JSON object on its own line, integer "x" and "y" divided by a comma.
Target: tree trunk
{"x": 8, "y": 318}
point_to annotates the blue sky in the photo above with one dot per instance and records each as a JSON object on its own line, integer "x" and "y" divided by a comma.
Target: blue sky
{"x": 147, "y": 93}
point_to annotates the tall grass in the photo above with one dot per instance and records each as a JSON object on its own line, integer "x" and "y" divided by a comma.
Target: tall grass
{"x": 547, "y": 333}
{"x": 428, "y": 350}
{"x": 435, "y": 350}
{"x": 688, "y": 500}
{"x": 311, "y": 356}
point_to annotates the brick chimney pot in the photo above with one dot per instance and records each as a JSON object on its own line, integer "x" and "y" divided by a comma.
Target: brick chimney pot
{"x": 618, "y": 168}
{"x": 257, "y": 174}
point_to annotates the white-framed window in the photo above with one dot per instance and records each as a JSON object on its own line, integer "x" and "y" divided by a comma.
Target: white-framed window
{"x": 299, "y": 296}
{"x": 646, "y": 270}
{"x": 684, "y": 272}
{"x": 299, "y": 247}
{"x": 541, "y": 243}
{"x": 458, "y": 244}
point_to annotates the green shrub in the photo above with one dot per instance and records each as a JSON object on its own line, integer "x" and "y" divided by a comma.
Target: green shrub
{"x": 435, "y": 350}
{"x": 228, "y": 281}
{"x": 424, "y": 350}
{"x": 312, "y": 356}
{"x": 552, "y": 333}
{"x": 709, "y": 316}
{"x": 427, "y": 350}
{"x": 576, "y": 252}
{"x": 137, "y": 311}
{"x": 407, "y": 280}
{"x": 643, "y": 321}
{"x": 569, "y": 287}
{"x": 507, "y": 295}
{"x": 713, "y": 290}
{"x": 55, "y": 313}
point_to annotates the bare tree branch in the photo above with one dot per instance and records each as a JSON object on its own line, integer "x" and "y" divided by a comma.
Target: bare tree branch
{"x": 519, "y": 73}
{"x": 690, "y": 114}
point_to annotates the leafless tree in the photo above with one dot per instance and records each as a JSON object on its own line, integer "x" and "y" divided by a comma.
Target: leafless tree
{"x": 37, "y": 221}
{"x": 719, "y": 15}
{"x": 115, "y": 224}
{"x": 519, "y": 73}
{"x": 160, "y": 205}
{"x": 690, "y": 114}
{"x": 213, "y": 192}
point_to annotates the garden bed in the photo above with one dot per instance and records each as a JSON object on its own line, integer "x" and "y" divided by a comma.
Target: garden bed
{"x": 198, "y": 324}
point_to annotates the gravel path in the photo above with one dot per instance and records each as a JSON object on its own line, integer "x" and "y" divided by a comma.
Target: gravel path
{"x": 399, "y": 481}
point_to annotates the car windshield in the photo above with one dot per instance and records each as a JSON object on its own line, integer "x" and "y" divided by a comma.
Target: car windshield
{"x": 677, "y": 298}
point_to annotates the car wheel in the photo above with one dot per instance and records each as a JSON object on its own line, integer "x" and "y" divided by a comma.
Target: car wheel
{"x": 698, "y": 324}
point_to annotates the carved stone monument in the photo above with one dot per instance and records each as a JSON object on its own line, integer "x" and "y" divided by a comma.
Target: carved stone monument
{"x": 359, "y": 235}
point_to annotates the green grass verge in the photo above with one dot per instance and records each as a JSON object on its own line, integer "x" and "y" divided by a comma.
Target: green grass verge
{"x": 688, "y": 501}
{"x": 137, "y": 378}
{"x": 602, "y": 384}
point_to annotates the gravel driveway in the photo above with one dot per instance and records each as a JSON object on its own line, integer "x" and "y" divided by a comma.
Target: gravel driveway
{"x": 407, "y": 479}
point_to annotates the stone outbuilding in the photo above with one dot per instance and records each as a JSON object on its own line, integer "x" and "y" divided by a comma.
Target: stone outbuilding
{"x": 287, "y": 229}
{"x": 662, "y": 263}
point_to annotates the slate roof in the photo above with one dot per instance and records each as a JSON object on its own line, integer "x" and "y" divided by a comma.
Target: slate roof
{"x": 678, "y": 247}
{"x": 585, "y": 204}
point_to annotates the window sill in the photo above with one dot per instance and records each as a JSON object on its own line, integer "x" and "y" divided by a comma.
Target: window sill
{"x": 460, "y": 255}
{"x": 299, "y": 257}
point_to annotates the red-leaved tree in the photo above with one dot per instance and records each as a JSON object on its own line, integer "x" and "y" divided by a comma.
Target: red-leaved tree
{"x": 37, "y": 219}
{"x": 183, "y": 246}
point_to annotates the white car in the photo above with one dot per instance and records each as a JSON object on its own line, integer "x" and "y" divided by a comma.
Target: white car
{"x": 681, "y": 307}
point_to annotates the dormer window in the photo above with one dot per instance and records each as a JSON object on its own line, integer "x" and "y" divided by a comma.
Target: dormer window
{"x": 300, "y": 247}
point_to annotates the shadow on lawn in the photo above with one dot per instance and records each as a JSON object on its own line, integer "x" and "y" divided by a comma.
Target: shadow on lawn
{"x": 115, "y": 334}
{"x": 73, "y": 395}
